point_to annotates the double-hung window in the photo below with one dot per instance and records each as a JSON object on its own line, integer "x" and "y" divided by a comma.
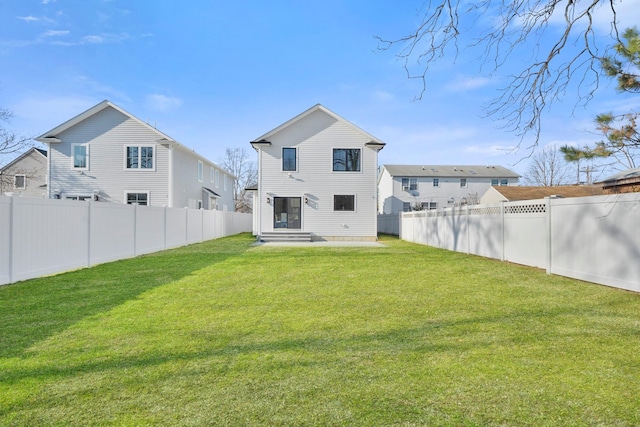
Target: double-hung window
{"x": 463, "y": 182}
{"x": 80, "y": 156}
{"x": 409, "y": 184}
{"x": 139, "y": 157}
{"x": 20, "y": 182}
{"x": 138, "y": 199}
{"x": 346, "y": 160}
{"x": 436, "y": 182}
{"x": 344, "y": 202}
{"x": 504, "y": 182}
{"x": 495, "y": 181}
{"x": 289, "y": 159}
{"x": 200, "y": 171}
{"x": 217, "y": 178}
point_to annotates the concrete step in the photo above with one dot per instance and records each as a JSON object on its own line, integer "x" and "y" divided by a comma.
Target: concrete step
{"x": 285, "y": 236}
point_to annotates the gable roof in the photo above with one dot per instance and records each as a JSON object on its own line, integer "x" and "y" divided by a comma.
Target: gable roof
{"x": 318, "y": 107}
{"x": 52, "y": 135}
{"x": 40, "y": 151}
{"x": 440, "y": 171}
{"x": 514, "y": 193}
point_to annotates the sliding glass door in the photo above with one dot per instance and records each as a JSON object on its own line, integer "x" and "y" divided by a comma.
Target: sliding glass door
{"x": 286, "y": 212}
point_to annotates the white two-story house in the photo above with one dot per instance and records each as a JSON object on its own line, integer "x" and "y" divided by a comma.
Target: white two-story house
{"x": 317, "y": 177}
{"x": 403, "y": 188}
{"x": 106, "y": 154}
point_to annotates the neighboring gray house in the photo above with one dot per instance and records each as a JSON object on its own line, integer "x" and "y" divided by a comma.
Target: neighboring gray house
{"x": 107, "y": 154}
{"x": 402, "y": 188}
{"x": 316, "y": 179}
{"x": 26, "y": 175}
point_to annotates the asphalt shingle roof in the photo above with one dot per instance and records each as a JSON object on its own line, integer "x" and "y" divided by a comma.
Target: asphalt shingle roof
{"x": 463, "y": 171}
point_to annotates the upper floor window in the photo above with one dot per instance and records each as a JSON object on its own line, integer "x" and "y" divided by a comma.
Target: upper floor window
{"x": 20, "y": 182}
{"x": 495, "y": 181}
{"x": 200, "y": 171}
{"x": 289, "y": 161}
{"x": 139, "y": 157}
{"x": 409, "y": 184}
{"x": 463, "y": 182}
{"x": 211, "y": 174}
{"x": 346, "y": 160}
{"x": 217, "y": 178}
{"x": 504, "y": 182}
{"x": 436, "y": 182}
{"x": 80, "y": 156}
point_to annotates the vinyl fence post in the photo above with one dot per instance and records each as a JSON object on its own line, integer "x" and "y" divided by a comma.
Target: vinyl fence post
{"x": 89, "y": 209}
{"x": 502, "y": 258}
{"x": 548, "y": 240}
{"x": 468, "y": 233}
{"x": 11, "y": 237}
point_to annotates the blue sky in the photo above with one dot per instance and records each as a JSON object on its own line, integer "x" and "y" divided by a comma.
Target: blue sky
{"x": 216, "y": 74}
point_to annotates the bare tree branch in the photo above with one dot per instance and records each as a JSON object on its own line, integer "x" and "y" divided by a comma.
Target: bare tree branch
{"x": 237, "y": 162}
{"x": 568, "y": 62}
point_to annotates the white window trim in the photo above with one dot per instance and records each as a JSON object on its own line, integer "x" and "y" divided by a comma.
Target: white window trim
{"x": 282, "y": 160}
{"x": 404, "y": 187}
{"x": 464, "y": 183}
{"x": 200, "y": 171}
{"x": 139, "y": 169}
{"x": 348, "y": 172}
{"x": 147, "y": 192}
{"x": 73, "y": 156}
{"x": 24, "y": 181}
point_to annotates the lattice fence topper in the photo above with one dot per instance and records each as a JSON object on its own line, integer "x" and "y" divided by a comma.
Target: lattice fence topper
{"x": 526, "y": 209}
{"x": 495, "y": 210}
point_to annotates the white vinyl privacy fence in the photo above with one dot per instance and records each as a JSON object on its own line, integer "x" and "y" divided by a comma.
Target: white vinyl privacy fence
{"x": 389, "y": 224}
{"x": 41, "y": 236}
{"x": 596, "y": 239}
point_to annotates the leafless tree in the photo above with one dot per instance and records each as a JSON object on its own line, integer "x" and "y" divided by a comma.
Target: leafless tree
{"x": 10, "y": 143}
{"x": 237, "y": 162}
{"x": 547, "y": 168}
{"x": 560, "y": 62}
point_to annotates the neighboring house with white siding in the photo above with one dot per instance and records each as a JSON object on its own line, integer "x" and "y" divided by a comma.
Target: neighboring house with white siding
{"x": 106, "y": 154}
{"x": 317, "y": 177}
{"x": 403, "y": 188}
{"x": 26, "y": 175}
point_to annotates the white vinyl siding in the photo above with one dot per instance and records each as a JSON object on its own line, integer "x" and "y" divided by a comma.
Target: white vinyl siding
{"x": 200, "y": 171}
{"x": 107, "y": 133}
{"x": 316, "y": 135}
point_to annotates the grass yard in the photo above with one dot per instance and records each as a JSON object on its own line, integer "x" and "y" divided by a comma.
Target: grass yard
{"x": 223, "y": 333}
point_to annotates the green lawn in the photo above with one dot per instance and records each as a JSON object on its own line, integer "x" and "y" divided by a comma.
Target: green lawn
{"x": 223, "y": 333}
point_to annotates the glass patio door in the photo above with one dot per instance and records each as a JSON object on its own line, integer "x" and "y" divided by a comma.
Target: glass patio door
{"x": 286, "y": 212}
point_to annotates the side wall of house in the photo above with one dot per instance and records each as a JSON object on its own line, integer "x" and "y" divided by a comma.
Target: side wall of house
{"x": 315, "y": 136}
{"x": 107, "y": 133}
{"x": 385, "y": 193}
{"x": 187, "y": 187}
{"x": 34, "y": 167}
